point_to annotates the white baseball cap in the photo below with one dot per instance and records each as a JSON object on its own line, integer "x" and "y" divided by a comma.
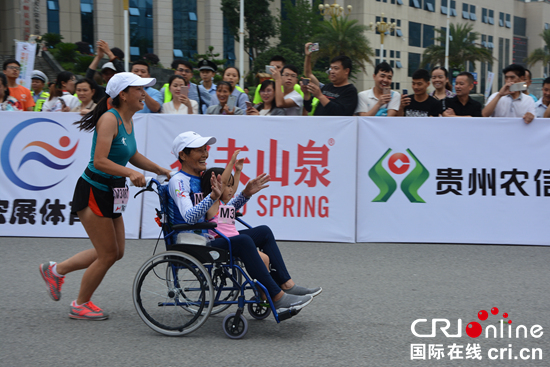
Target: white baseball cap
{"x": 190, "y": 139}
{"x": 121, "y": 81}
{"x": 108, "y": 65}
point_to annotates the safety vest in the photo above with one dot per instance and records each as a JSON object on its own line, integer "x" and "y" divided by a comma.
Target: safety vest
{"x": 258, "y": 99}
{"x": 40, "y": 101}
{"x": 167, "y": 93}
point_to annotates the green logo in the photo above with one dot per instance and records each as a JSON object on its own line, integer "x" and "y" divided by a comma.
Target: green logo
{"x": 399, "y": 164}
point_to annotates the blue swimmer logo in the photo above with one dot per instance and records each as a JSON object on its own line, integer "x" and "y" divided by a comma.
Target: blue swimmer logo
{"x": 64, "y": 142}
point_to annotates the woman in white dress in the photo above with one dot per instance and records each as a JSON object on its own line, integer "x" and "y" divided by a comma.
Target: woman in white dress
{"x": 61, "y": 94}
{"x": 180, "y": 103}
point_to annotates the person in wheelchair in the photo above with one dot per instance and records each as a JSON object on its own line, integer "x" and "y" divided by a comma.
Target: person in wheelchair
{"x": 187, "y": 204}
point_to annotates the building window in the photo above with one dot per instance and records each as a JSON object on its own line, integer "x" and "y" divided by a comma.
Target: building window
{"x": 520, "y": 26}
{"x": 141, "y": 28}
{"x": 53, "y": 16}
{"x": 500, "y": 60}
{"x": 453, "y": 8}
{"x": 508, "y": 21}
{"x": 444, "y": 35}
{"x": 414, "y": 3}
{"x": 399, "y": 66}
{"x": 87, "y": 21}
{"x": 484, "y": 40}
{"x": 184, "y": 19}
{"x": 465, "y": 11}
{"x": 490, "y": 44}
{"x": 415, "y": 30}
{"x": 399, "y": 2}
{"x": 399, "y": 33}
{"x": 392, "y": 53}
{"x": 491, "y": 17}
{"x": 501, "y": 20}
{"x": 427, "y": 35}
{"x": 444, "y": 8}
{"x": 414, "y": 63}
{"x": 397, "y": 54}
{"x": 429, "y": 5}
{"x": 473, "y": 15}
{"x": 484, "y": 17}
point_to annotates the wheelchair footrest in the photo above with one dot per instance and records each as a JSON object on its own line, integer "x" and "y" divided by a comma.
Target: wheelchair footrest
{"x": 285, "y": 315}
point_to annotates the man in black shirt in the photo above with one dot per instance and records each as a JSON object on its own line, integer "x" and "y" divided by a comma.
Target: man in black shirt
{"x": 338, "y": 98}
{"x": 421, "y": 104}
{"x": 462, "y": 104}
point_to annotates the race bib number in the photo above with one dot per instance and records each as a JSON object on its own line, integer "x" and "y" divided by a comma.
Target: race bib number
{"x": 226, "y": 214}
{"x": 120, "y": 195}
{"x": 197, "y": 198}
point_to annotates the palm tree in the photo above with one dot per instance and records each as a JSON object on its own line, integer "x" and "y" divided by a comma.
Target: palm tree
{"x": 341, "y": 36}
{"x": 463, "y": 47}
{"x": 541, "y": 54}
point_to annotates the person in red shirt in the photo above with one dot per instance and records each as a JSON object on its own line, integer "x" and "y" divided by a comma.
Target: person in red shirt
{"x": 12, "y": 68}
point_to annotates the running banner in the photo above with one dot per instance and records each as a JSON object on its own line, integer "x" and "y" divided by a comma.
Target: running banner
{"x": 311, "y": 196}
{"x": 454, "y": 180}
{"x": 42, "y": 155}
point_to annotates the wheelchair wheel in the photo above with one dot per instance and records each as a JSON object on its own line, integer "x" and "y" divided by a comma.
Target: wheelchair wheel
{"x": 235, "y": 330}
{"x": 226, "y": 295}
{"x": 167, "y": 284}
{"x": 259, "y": 311}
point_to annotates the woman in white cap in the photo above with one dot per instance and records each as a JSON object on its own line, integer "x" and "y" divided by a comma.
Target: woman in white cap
{"x": 187, "y": 205}
{"x": 101, "y": 193}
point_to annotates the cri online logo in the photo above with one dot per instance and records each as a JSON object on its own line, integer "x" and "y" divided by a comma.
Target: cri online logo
{"x": 33, "y": 155}
{"x": 399, "y": 164}
{"x": 474, "y": 328}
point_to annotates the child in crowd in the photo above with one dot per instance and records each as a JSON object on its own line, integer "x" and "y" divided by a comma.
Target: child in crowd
{"x": 226, "y": 218}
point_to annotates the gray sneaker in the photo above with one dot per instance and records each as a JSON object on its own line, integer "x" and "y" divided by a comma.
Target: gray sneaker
{"x": 303, "y": 291}
{"x": 290, "y": 301}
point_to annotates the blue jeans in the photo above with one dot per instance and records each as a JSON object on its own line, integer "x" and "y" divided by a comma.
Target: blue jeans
{"x": 244, "y": 246}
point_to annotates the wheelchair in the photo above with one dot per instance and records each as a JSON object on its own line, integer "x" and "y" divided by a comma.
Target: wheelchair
{"x": 174, "y": 292}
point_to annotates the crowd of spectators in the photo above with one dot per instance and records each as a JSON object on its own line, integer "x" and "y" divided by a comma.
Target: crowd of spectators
{"x": 285, "y": 93}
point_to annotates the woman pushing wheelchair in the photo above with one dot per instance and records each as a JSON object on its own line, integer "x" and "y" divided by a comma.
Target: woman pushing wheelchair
{"x": 187, "y": 205}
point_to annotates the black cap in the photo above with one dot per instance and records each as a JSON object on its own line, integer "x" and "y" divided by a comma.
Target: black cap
{"x": 207, "y": 65}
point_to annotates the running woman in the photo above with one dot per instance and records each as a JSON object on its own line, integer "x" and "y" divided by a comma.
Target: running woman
{"x": 101, "y": 193}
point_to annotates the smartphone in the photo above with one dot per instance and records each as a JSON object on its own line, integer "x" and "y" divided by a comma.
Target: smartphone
{"x": 386, "y": 90}
{"x": 305, "y": 81}
{"x": 248, "y": 104}
{"x": 184, "y": 90}
{"x": 518, "y": 87}
{"x": 313, "y": 47}
{"x": 405, "y": 91}
{"x": 231, "y": 102}
{"x": 268, "y": 69}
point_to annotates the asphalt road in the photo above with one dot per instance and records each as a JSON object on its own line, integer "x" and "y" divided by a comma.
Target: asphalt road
{"x": 372, "y": 294}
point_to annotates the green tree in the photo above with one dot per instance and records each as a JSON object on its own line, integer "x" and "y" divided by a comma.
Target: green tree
{"x": 258, "y": 23}
{"x": 341, "y": 36}
{"x": 300, "y": 23}
{"x": 463, "y": 47}
{"x": 541, "y": 54}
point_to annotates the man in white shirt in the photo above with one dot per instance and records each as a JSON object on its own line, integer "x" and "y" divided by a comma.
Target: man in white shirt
{"x": 285, "y": 95}
{"x": 380, "y": 100}
{"x": 506, "y": 103}
{"x": 542, "y": 104}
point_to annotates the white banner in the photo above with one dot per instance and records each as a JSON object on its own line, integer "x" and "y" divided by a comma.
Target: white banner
{"x": 454, "y": 180}
{"x": 42, "y": 156}
{"x": 312, "y": 164}
{"x": 24, "y": 53}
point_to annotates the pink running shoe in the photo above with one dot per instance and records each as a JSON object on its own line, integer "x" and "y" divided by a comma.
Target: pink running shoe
{"x": 87, "y": 311}
{"x": 53, "y": 282}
